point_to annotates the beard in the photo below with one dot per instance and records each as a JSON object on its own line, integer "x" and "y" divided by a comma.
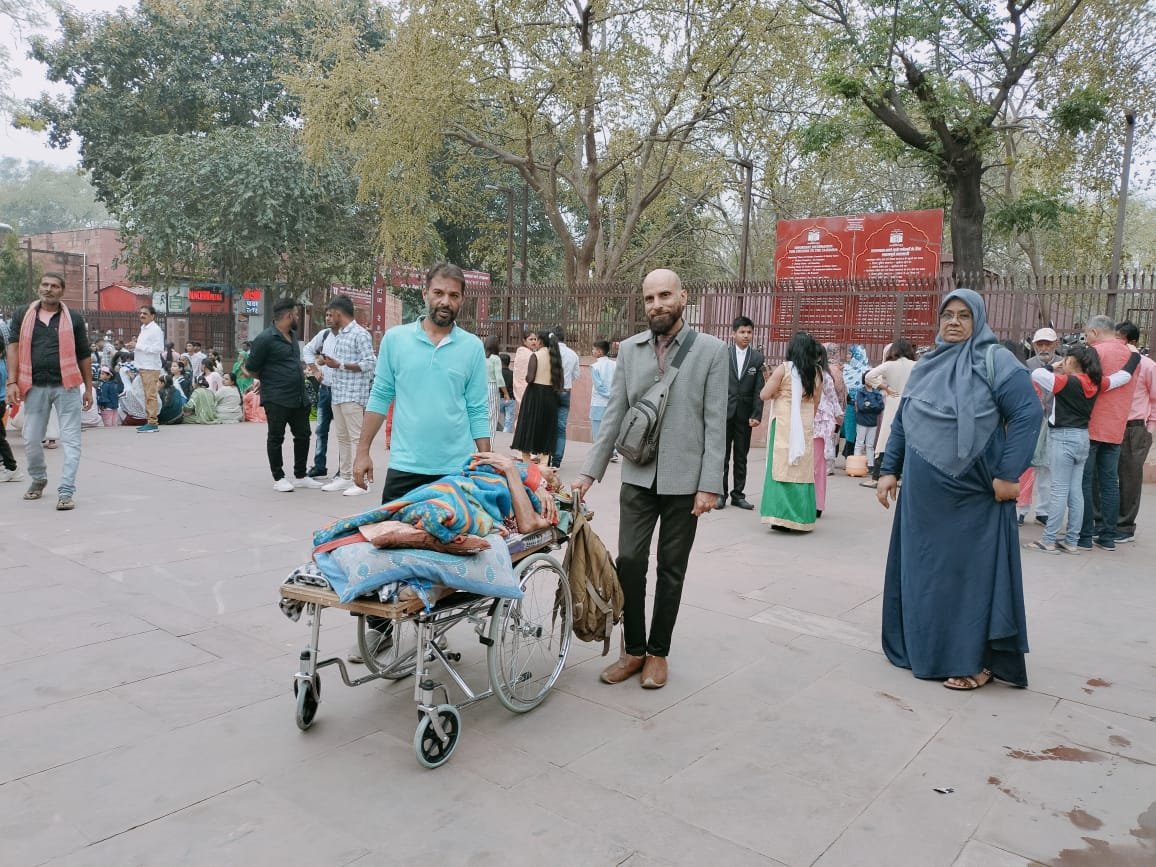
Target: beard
{"x": 442, "y": 316}
{"x": 662, "y": 323}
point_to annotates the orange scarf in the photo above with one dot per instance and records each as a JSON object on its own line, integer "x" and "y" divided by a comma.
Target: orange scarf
{"x": 69, "y": 370}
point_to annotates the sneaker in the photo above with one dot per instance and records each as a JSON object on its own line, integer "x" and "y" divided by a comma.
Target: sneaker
{"x": 1042, "y": 520}
{"x": 354, "y": 491}
{"x": 307, "y": 482}
{"x": 318, "y": 473}
{"x": 1084, "y": 546}
{"x": 17, "y": 476}
{"x": 1020, "y": 520}
{"x": 1040, "y": 546}
{"x": 338, "y": 484}
{"x": 148, "y": 428}
{"x": 377, "y": 642}
{"x": 1068, "y": 549}
{"x": 64, "y": 503}
{"x": 1105, "y": 546}
{"x": 283, "y": 485}
{"x": 1120, "y": 540}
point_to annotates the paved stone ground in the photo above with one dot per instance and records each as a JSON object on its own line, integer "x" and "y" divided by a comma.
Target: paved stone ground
{"x": 146, "y": 715}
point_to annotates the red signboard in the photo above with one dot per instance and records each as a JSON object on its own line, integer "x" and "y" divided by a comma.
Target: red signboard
{"x": 402, "y": 276}
{"x": 890, "y": 246}
{"x": 360, "y": 297}
{"x": 206, "y": 295}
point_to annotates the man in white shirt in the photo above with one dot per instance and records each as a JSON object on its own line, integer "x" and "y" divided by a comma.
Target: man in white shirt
{"x": 571, "y": 373}
{"x": 150, "y": 346}
{"x": 194, "y": 357}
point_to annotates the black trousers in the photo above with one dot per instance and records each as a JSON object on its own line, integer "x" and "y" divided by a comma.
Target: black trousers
{"x": 639, "y": 510}
{"x": 297, "y": 417}
{"x": 6, "y": 456}
{"x": 1133, "y": 451}
{"x": 397, "y": 484}
{"x": 738, "y": 444}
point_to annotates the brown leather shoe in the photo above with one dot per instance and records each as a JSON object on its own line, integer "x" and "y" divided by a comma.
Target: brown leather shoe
{"x": 654, "y": 672}
{"x": 626, "y": 667}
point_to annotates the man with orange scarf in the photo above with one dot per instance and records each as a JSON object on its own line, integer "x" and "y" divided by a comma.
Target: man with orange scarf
{"x": 49, "y": 358}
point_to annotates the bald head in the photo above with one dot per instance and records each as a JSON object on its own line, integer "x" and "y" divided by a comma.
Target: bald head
{"x": 663, "y": 298}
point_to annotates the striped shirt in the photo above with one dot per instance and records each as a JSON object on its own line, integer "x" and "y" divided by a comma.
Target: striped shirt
{"x": 351, "y": 345}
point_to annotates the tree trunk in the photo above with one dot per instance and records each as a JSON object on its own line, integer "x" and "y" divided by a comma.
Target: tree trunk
{"x": 963, "y": 178}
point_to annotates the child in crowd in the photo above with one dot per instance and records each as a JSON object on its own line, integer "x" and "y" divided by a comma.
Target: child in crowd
{"x": 869, "y": 403}
{"x": 509, "y": 405}
{"x": 108, "y": 397}
{"x": 1076, "y": 385}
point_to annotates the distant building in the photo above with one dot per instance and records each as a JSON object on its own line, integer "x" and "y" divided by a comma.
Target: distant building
{"x": 88, "y": 258}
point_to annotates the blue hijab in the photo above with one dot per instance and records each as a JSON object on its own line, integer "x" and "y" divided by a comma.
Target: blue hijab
{"x": 949, "y": 412}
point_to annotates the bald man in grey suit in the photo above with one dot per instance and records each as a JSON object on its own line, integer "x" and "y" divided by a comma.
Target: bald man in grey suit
{"x": 683, "y": 482}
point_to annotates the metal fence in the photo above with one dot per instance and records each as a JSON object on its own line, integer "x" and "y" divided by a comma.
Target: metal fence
{"x": 871, "y": 313}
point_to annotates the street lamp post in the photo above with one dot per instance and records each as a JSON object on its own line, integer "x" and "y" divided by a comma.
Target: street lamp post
{"x": 1121, "y": 207}
{"x": 749, "y": 168}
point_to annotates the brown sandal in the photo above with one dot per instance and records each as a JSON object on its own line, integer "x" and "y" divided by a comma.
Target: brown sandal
{"x": 971, "y": 682}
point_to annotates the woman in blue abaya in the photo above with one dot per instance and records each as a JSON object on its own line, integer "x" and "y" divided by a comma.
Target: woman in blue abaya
{"x": 953, "y": 603}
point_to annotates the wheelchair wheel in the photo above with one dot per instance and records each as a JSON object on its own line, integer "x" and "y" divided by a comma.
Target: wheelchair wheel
{"x": 394, "y": 662}
{"x": 530, "y": 637}
{"x": 308, "y": 696}
{"x": 431, "y": 751}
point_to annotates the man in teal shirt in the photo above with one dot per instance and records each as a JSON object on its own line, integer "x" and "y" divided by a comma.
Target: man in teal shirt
{"x": 435, "y": 375}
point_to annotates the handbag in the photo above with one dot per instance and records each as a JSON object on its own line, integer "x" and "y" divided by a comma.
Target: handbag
{"x": 642, "y": 424}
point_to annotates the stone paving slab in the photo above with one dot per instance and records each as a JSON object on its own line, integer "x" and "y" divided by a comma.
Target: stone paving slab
{"x": 147, "y": 714}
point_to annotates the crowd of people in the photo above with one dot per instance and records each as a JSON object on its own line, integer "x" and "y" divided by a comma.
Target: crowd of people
{"x": 978, "y": 436}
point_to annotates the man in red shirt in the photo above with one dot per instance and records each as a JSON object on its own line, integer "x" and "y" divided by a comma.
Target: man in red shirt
{"x": 1137, "y": 435}
{"x": 1105, "y": 433}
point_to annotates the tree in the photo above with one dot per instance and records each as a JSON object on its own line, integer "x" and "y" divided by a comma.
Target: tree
{"x": 177, "y": 67}
{"x": 600, "y": 117}
{"x": 939, "y": 77}
{"x": 17, "y": 274}
{"x": 245, "y": 206}
{"x": 36, "y": 197}
{"x": 18, "y": 16}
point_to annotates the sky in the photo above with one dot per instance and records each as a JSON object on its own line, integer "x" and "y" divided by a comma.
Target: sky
{"x": 26, "y": 145}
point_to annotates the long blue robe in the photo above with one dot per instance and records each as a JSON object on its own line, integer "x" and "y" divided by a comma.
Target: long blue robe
{"x": 953, "y": 601}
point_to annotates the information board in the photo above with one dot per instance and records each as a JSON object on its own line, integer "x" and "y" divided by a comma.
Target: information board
{"x": 888, "y": 246}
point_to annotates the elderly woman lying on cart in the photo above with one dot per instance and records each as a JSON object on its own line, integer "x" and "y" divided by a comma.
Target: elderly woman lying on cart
{"x": 493, "y": 508}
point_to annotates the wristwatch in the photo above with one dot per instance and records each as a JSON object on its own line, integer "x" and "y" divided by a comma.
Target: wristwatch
{"x": 341, "y": 365}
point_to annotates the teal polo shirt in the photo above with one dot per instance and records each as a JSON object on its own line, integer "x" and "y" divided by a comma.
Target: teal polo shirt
{"x": 440, "y": 397}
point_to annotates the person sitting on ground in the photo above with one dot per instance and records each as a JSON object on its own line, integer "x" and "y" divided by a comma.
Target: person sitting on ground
{"x": 172, "y": 400}
{"x": 202, "y": 406}
{"x": 252, "y": 400}
{"x": 181, "y": 379}
{"x": 131, "y": 407}
{"x": 230, "y": 409}
{"x": 212, "y": 378}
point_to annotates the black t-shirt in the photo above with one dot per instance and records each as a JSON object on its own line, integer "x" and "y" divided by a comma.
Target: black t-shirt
{"x": 46, "y": 346}
{"x": 508, "y": 379}
{"x": 277, "y": 363}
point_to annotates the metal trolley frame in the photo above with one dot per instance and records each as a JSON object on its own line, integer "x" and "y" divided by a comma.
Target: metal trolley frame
{"x": 526, "y": 642}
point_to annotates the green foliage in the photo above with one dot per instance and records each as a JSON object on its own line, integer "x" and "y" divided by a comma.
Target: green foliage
{"x": 171, "y": 67}
{"x": 36, "y": 197}
{"x": 15, "y": 280}
{"x": 1080, "y": 111}
{"x": 245, "y": 206}
{"x": 1032, "y": 210}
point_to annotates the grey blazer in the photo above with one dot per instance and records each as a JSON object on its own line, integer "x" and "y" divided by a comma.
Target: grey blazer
{"x": 693, "y": 438}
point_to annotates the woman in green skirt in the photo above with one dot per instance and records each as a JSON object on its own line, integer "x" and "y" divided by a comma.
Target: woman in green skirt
{"x": 795, "y": 386}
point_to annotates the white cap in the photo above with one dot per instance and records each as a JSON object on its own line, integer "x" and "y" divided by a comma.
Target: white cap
{"x": 1048, "y": 334}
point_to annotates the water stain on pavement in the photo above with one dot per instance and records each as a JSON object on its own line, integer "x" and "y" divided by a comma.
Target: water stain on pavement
{"x": 1119, "y": 741}
{"x": 1057, "y": 754}
{"x": 1099, "y": 681}
{"x": 897, "y": 700}
{"x": 1101, "y": 853}
{"x": 994, "y": 781}
{"x": 1084, "y": 820}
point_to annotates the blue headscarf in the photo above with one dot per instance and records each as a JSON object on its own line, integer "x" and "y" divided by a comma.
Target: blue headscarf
{"x": 949, "y": 412}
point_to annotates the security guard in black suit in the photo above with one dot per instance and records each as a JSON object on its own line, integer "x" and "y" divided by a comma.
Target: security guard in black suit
{"x": 744, "y": 408}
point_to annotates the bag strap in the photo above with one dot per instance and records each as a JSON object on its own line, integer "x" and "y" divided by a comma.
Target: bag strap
{"x": 989, "y": 360}
{"x": 691, "y": 334}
